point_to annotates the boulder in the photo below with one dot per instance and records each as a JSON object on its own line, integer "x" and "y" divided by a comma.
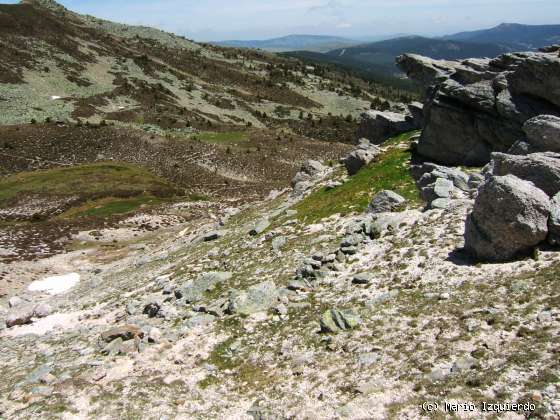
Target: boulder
{"x": 479, "y": 106}
{"x": 378, "y": 126}
{"x": 554, "y": 221}
{"x": 542, "y": 169}
{"x": 363, "y": 155}
{"x": 42, "y": 310}
{"x": 543, "y": 133}
{"x": 509, "y": 219}
{"x": 258, "y": 298}
{"x": 386, "y": 201}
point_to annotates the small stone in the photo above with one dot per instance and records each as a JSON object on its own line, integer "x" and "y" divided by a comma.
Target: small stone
{"x": 154, "y": 336}
{"x": 362, "y": 278}
{"x": 20, "y": 316}
{"x": 333, "y": 321}
{"x": 42, "y": 310}
{"x": 126, "y": 332}
{"x": 15, "y": 301}
{"x": 211, "y": 236}
{"x": 462, "y": 364}
{"x": 301, "y": 285}
{"x": 113, "y": 348}
{"x": 260, "y": 227}
{"x": 368, "y": 359}
{"x": 349, "y": 250}
{"x": 279, "y": 242}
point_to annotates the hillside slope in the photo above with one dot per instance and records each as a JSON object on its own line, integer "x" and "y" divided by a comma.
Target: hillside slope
{"x": 64, "y": 66}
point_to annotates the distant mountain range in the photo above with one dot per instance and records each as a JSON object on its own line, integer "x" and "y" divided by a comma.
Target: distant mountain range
{"x": 377, "y": 59}
{"x": 316, "y": 43}
{"x": 513, "y": 36}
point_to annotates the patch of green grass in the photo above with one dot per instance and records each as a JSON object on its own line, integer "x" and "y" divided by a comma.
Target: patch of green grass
{"x": 94, "y": 180}
{"x": 226, "y": 138}
{"x": 391, "y": 171}
{"x": 112, "y": 206}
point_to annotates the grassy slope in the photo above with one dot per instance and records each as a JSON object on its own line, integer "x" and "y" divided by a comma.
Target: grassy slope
{"x": 106, "y": 188}
{"x": 389, "y": 172}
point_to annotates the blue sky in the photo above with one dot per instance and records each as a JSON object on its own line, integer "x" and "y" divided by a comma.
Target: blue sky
{"x": 256, "y": 19}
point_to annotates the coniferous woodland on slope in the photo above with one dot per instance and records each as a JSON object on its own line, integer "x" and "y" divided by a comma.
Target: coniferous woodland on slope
{"x": 195, "y": 231}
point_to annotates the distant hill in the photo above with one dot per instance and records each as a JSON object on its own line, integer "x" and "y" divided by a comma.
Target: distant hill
{"x": 315, "y": 43}
{"x": 376, "y": 60}
{"x": 513, "y": 36}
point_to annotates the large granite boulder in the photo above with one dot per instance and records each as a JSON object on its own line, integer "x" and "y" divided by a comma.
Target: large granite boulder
{"x": 509, "y": 218}
{"x": 310, "y": 171}
{"x": 378, "y": 126}
{"x": 478, "y": 106}
{"x": 554, "y": 221}
{"x": 543, "y": 133}
{"x": 542, "y": 169}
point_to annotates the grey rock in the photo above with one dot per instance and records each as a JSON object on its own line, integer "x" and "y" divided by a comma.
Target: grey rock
{"x": 386, "y": 201}
{"x": 509, "y": 219}
{"x": 442, "y": 188}
{"x": 463, "y": 364}
{"x": 279, "y": 242}
{"x": 352, "y": 240}
{"x": 259, "y": 227}
{"x": 440, "y": 203}
{"x": 258, "y": 298}
{"x": 554, "y": 221}
{"x": 193, "y": 291}
{"x": 475, "y": 180}
{"x": 310, "y": 171}
{"x": 362, "y": 278}
{"x": 199, "y": 321}
{"x": 114, "y": 347}
{"x": 299, "y": 285}
{"x": 15, "y": 301}
{"x": 368, "y": 359}
{"x": 542, "y": 169}
{"x": 42, "y": 310}
{"x": 334, "y": 320}
{"x": 349, "y": 250}
{"x": 360, "y": 157}
{"x": 155, "y": 335}
{"x": 19, "y": 316}
{"x": 543, "y": 133}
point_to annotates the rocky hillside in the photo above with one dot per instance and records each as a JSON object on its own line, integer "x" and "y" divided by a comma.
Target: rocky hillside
{"x": 161, "y": 270}
{"x": 59, "y": 65}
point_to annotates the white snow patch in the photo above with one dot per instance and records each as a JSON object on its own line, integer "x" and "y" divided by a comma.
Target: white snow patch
{"x": 44, "y": 325}
{"x": 56, "y": 284}
{"x": 55, "y": 97}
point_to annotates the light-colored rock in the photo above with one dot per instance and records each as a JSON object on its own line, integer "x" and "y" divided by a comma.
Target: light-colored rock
{"x": 257, "y": 298}
{"x": 554, "y": 221}
{"x": 543, "y": 133}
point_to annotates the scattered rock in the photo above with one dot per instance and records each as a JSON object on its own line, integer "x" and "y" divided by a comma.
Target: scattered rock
{"x": 554, "y": 221}
{"x": 362, "y": 278}
{"x": 257, "y": 298}
{"x": 360, "y": 157}
{"x": 211, "y": 236}
{"x": 42, "y": 310}
{"x": 334, "y": 320}
{"x": 509, "y": 218}
{"x": 259, "y": 227}
{"x": 279, "y": 242}
{"x": 15, "y": 301}
{"x": 126, "y": 332}
{"x": 386, "y": 201}
{"x": 19, "y": 316}
{"x": 155, "y": 335}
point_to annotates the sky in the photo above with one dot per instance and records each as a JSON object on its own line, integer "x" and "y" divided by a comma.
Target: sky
{"x": 213, "y": 20}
